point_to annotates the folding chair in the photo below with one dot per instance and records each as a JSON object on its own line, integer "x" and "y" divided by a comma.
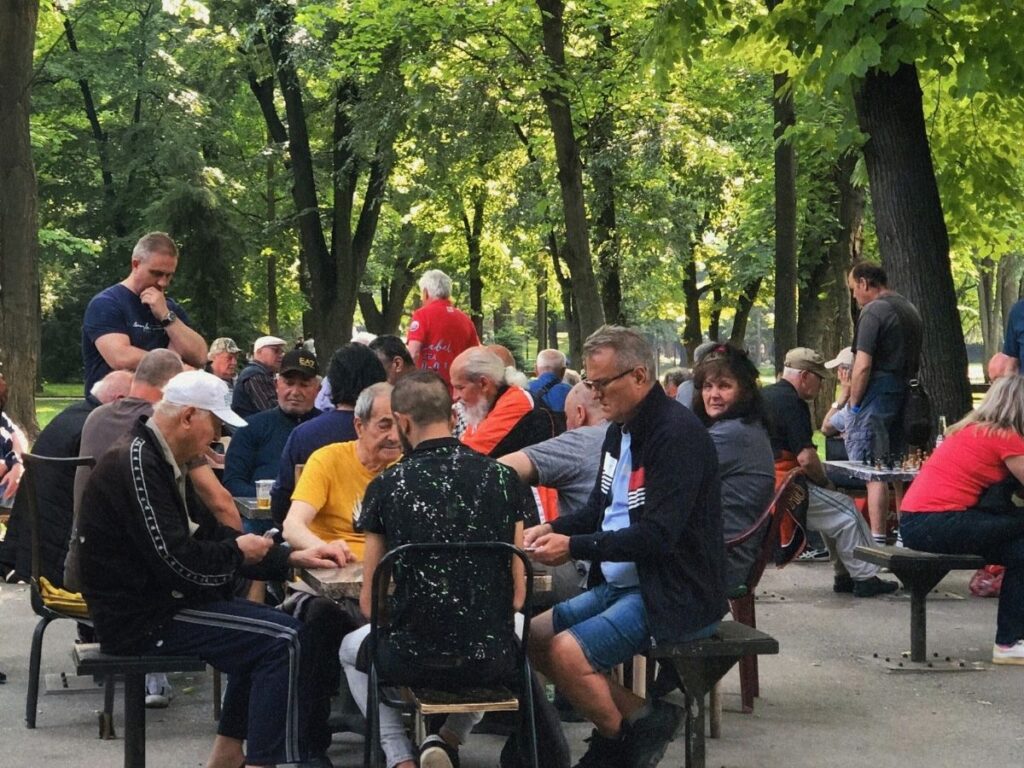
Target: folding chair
{"x": 421, "y": 700}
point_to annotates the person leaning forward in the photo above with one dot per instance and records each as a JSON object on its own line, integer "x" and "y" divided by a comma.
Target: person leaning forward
{"x": 653, "y": 531}
{"x": 157, "y": 574}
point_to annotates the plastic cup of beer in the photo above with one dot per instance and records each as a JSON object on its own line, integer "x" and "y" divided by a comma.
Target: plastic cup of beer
{"x": 263, "y": 493}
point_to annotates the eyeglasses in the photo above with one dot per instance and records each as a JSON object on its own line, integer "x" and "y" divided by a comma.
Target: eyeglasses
{"x": 598, "y": 385}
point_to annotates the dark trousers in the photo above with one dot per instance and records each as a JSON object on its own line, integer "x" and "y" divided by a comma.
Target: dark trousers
{"x": 327, "y": 622}
{"x": 263, "y": 651}
{"x": 996, "y": 536}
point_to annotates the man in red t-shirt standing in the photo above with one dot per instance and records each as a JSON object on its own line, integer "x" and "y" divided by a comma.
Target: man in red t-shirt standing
{"x": 438, "y": 331}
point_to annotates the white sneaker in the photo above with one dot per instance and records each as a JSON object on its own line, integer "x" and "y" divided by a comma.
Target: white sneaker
{"x": 158, "y": 691}
{"x": 1008, "y": 654}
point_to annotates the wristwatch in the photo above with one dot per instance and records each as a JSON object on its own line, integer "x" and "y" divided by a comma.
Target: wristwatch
{"x": 171, "y": 317}
{"x": 836, "y": 405}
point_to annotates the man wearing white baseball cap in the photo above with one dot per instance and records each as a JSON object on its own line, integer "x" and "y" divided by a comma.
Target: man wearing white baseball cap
{"x": 158, "y": 572}
{"x": 255, "y": 390}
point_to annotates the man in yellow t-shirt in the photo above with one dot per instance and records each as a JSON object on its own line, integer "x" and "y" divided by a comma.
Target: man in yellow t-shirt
{"x": 326, "y": 501}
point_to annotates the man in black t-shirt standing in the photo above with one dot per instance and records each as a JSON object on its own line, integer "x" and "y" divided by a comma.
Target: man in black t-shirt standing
{"x": 441, "y": 491}
{"x": 887, "y": 355}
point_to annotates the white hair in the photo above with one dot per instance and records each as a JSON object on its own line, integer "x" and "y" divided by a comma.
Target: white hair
{"x": 436, "y": 283}
{"x": 481, "y": 363}
{"x": 363, "y": 337}
{"x": 516, "y": 378}
{"x": 552, "y": 360}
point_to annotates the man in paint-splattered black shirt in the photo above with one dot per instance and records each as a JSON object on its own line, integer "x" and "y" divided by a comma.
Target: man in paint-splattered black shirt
{"x": 449, "y": 618}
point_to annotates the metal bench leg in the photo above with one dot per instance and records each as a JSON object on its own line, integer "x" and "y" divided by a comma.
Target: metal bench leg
{"x": 107, "y": 715}
{"x": 694, "y": 754}
{"x": 35, "y": 661}
{"x": 135, "y": 721}
{"x": 920, "y": 584}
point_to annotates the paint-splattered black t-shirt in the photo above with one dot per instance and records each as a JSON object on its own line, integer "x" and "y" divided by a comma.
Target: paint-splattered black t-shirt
{"x": 445, "y": 604}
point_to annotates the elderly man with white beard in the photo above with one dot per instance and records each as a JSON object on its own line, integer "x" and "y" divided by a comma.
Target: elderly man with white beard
{"x": 501, "y": 417}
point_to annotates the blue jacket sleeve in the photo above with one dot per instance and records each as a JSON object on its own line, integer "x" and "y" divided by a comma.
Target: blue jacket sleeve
{"x": 240, "y": 463}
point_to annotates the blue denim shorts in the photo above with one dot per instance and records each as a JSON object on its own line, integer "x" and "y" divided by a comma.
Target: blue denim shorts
{"x": 609, "y": 623}
{"x": 877, "y": 430}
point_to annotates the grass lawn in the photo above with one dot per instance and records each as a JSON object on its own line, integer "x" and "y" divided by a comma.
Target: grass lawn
{"x": 47, "y": 409}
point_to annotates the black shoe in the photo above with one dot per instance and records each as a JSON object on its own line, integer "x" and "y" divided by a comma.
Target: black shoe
{"x": 842, "y": 584}
{"x": 874, "y": 586}
{"x": 649, "y": 737}
{"x": 604, "y": 752}
{"x": 435, "y": 752}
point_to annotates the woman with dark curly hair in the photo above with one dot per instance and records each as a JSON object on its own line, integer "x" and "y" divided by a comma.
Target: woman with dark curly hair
{"x": 727, "y": 399}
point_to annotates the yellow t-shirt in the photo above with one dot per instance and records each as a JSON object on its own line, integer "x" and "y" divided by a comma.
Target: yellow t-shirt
{"x": 333, "y": 482}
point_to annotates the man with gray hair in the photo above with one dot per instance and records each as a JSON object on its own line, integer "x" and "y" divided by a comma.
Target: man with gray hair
{"x": 158, "y": 573}
{"x": 126, "y": 320}
{"x": 104, "y": 429}
{"x": 548, "y": 387}
{"x": 501, "y": 417}
{"x": 327, "y": 497}
{"x": 652, "y": 529}
{"x": 438, "y": 332}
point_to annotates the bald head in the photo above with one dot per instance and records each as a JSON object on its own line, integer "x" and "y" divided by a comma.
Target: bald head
{"x": 582, "y": 409}
{"x": 113, "y": 386}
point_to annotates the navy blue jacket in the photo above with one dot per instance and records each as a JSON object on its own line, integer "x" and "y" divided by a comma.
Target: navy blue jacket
{"x": 255, "y": 450}
{"x": 675, "y": 531}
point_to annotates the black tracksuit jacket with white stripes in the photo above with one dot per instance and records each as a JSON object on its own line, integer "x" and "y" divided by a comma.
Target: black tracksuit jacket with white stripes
{"x": 140, "y": 564}
{"x": 675, "y": 519}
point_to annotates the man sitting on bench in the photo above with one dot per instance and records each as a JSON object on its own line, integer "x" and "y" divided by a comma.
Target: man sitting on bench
{"x": 652, "y": 530}
{"x": 158, "y": 571}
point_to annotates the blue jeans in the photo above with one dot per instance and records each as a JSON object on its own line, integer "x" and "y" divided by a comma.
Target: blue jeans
{"x": 998, "y": 537}
{"x": 609, "y": 623}
{"x": 262, "y": 651}
{"x": 877, "y": 430}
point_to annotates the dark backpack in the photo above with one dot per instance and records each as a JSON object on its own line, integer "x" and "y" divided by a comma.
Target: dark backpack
{"x": 557, "y": 418}
{"x": 917, "y": 415}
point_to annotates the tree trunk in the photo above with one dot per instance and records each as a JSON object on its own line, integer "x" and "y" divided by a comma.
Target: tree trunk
{"x": 715, "y": 316}
{"x": 847, "y": 249}
{"x": 576, "y": 253}
{"x": 691, "y": 323}
{"x": 785, "y": 221}
{"x": 1009, "y": 285}
{"x": 472, "y": 230}
{"x": 272, "y": 324}
{"x": 988, "y": 309}
{"x": 542, "y": 309}
{"x": 912, "y": 237}
{"x": 19, "y": 233}
{"x": 744, "y": 304}
{"x": 602, "y": 173}
{"x": 568, "y": 304}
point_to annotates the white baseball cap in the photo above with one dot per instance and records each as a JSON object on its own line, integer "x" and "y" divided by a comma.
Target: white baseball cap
{"x": 267, "y": 341}
{"x": 200, "y": 389}
{"x": 845, "y": 357}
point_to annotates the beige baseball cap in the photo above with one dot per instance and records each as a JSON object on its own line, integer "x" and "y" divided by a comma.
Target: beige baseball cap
{"x": 806, "y": 359}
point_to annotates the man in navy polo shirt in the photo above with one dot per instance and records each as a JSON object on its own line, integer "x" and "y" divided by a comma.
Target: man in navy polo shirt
{"x": 127, "y": 320}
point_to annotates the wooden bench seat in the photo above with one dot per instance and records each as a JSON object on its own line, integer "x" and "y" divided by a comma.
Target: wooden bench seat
{"x": 702, "y": 663}
{"x": 90, "y": 660}
{"x": 919, "y": 572}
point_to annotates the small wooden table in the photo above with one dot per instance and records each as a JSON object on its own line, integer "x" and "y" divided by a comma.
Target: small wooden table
{"x": 347, "y": 581}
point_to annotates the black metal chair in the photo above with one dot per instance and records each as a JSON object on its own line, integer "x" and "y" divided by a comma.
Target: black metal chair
{"x": 48, "y": 602}
{"x": 424, "y": 702}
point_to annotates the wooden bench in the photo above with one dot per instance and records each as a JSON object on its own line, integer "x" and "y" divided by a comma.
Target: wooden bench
{"x": 702, "y": 663}
{"x": 919, "y": 572}
{"x": 89, "y": 660}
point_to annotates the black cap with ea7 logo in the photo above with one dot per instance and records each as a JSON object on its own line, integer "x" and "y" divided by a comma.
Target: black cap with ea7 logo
{"x": 300, "y": 361}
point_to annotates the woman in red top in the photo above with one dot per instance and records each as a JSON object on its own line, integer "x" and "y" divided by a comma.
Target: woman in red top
{"x": 960, "y": 503}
